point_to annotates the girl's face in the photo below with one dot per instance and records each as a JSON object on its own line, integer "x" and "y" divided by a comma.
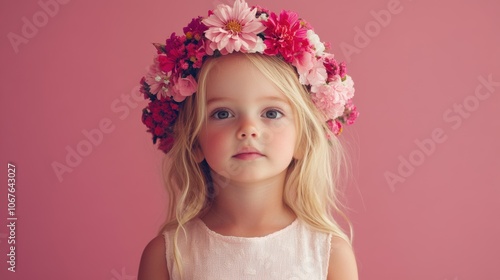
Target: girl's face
{"x": 249, "y": 135}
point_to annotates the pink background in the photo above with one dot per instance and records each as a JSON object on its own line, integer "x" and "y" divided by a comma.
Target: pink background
{"x": 76, "y": 71}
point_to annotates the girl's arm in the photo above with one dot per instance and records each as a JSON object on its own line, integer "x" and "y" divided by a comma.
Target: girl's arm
{"x": 342, "y": 264}
{"x": 153, "y": 261}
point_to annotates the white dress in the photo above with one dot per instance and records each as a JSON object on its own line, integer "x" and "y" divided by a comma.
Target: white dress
{"x": 294, "y": 252}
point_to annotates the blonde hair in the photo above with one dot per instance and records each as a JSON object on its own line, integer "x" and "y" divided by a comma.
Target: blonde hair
{"x": 312, "y": 185}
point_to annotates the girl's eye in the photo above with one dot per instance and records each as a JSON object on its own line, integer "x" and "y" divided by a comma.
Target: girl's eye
{"x": 221, "y": 114}
{"x": 273, "y": 114}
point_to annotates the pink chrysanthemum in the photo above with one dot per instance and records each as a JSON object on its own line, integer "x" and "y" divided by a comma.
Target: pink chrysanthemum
{"x": 232, "y": 29}
{"x": 285, "y": 35}
{"x": 156, "y": 78}
{"x": 329, "y": 101}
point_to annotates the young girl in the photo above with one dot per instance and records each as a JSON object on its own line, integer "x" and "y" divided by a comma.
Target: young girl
{"x": 247, "y": 105}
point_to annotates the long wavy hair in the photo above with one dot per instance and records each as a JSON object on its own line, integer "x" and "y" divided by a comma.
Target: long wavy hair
{"x": 312, "y": 188}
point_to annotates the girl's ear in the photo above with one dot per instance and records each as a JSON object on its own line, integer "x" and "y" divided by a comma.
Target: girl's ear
{"x": 198, "y": 154}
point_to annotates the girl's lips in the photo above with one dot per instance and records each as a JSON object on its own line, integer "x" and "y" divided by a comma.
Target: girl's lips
{"x": 248, "y": 156}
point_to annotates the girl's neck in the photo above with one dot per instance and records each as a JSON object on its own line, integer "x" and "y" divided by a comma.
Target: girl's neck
{"x": 249, "y": 209}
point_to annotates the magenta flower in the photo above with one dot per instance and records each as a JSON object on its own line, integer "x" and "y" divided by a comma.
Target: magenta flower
{"x": 156, "y": 78}
{"x": 285, "y": 35}
{"x": 195, "y": 29}
{"x": 351, "y": 113}
{"x": 195, "y": 53}
{"x": 334, "y": 126}
{"x": 232, "y": 29}
{"x": 175, "y": 54}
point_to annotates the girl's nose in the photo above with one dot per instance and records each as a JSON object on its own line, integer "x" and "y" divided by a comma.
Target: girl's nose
{"x": 247, "y": 129}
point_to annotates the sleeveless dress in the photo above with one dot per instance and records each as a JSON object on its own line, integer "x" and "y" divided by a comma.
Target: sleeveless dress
{"x": 296, "y": 252}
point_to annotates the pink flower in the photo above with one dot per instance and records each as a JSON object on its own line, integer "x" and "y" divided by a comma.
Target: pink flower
{"x": 329, "y": 101}
{"x": 331, "y": 65}
{"x": 332, "y": 99}
{"x": 304, "y": 63}
{"x": 345, "y": 87}
{"x": 313, "y": 73}
{"x": 183, "y": 87}
{"x": 343, "y": 69}
{"x": 334, "y": 126}
{"x": 232, "y": 29}
{"x": 156, "y": 78}
{"x": 333, "y": 68}
{"x": 285, "y": 35}
{"x": 351, "y": 113}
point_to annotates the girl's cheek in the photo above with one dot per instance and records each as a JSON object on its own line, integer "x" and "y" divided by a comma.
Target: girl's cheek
{"x": 280, "y": 126}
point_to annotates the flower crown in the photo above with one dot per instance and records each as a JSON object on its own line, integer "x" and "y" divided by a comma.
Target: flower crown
{"x": 239, "y": 28}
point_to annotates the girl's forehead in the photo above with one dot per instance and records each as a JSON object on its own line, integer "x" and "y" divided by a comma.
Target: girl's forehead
{"x": 236, "y": 76}
{"x": 234, "y": 66}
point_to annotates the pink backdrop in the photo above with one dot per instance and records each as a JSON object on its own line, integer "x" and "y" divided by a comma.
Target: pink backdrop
{"x": 425, "y": 164}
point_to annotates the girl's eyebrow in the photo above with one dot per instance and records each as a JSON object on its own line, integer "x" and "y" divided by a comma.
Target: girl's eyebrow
{"x": 264, "y": 98}
{"x": 218, "y": 99}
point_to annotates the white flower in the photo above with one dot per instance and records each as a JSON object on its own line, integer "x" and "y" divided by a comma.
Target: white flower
{"x": 314, "y": 40}
{"x": 260, "y": 46}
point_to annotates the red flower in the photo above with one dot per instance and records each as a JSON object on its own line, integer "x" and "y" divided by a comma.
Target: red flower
{"x": 175, "y": 54}
{"x": 148, "y": 121}
{"x": 159, "y": 117}
{"x": 285, "y": 35}
{"x": 166, "y": 144}
{"x": 195, "y": 53}
{"x": 195, "y": 29}
{"x": 158, "y": 131}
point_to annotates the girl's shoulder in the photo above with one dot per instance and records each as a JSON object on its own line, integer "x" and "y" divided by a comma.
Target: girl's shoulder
{"x": 153, "y": 265}
{"x": 342, "y": 261}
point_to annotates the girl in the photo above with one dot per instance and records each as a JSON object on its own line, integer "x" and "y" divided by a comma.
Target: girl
{"x": 247, "y": 106}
